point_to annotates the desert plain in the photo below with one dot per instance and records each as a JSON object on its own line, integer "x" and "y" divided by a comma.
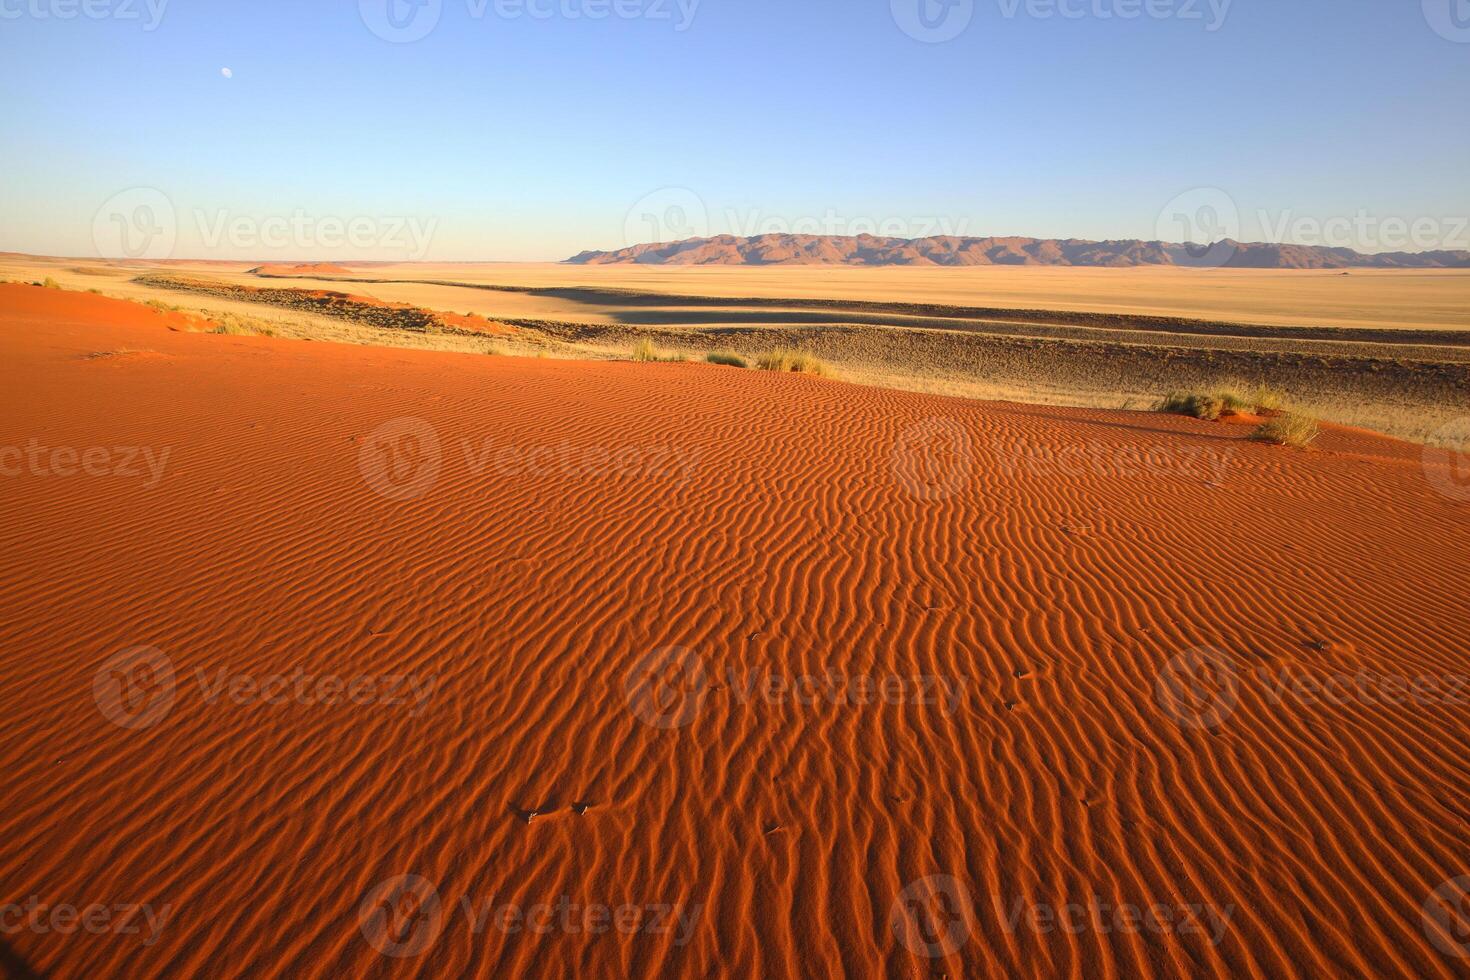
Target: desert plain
{"x": 393, "y": 620}
{"x": 1381, "y": 349}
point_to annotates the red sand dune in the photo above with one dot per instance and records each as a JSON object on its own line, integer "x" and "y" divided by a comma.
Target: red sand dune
{"x": 1051, "y": 566}
{"x": 351, "y": 306}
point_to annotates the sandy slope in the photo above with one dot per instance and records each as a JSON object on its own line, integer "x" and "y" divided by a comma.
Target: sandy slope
{"x": 1047, "y": 565}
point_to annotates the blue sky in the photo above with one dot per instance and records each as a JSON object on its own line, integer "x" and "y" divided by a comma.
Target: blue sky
{"x": 502, "y": 135}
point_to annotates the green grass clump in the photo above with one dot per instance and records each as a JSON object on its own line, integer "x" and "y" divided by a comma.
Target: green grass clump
{"x": 1288, "y": 429}
{"x": 726, "y": 358}
{"x": 785, "y": 359}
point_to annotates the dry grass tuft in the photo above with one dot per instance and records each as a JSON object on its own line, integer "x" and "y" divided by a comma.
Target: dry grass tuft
{"x": 1268, "y": 399}
{"x": 230, "y": 325}
{"x": 645, "y": 353}
{"x": 1288, "y": 430}
{"x": 1234, "y": 403}
{"x": 726, "y": 358}
{"x": 786, "y": 359}
{"x": 97, "y": 355}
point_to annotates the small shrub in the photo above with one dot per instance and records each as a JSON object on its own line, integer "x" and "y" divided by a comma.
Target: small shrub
{"x": 1207, "y": 407}
{"x": 1225, "y": 401}
{"x": 727, "y": 359}
{"x": 51, "y": 283}
{"x": 785, "y": 359}
{"x": 1229, "y": 400}
{"x": 1288, "y": 430}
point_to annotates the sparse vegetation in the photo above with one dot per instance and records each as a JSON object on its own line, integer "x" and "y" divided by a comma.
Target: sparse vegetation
{"x": 1254, "y": 400}
{"x": 1288, "y": 429}
{"x": 233, "y": 326}
{"x": 1207, "y": 407}
{"x": 1407, "y": 399}
{"x": 163, "y": 307}
{"x": 1268, "y": 399}
{"x": 1234, "y": 403}
{"x": 645, "y": 353}
{"x": 726, "y": 358}
{"x": 51, "y": 283}
{"x": 786, "y": 359}
{"x": 1227, "y": 400}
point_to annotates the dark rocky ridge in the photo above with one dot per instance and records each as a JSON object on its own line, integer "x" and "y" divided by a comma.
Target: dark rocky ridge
{"x": 949, "y": 250}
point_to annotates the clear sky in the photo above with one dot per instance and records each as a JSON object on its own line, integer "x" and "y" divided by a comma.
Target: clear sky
{"x": 503, "y": 135}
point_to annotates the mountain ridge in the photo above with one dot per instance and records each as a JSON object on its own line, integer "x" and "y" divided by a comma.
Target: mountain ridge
{"x": 953, "y": 250}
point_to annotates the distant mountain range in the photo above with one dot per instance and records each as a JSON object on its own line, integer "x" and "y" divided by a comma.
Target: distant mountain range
{"x": 867, "y": 250}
